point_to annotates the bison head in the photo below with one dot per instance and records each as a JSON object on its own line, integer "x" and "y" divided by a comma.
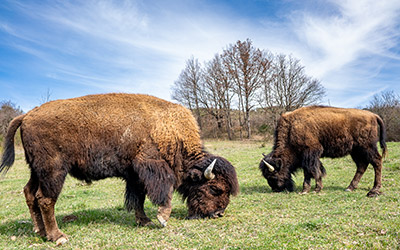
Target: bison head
{"x": 207, "y": 187}
{"x": 276, "y": 173}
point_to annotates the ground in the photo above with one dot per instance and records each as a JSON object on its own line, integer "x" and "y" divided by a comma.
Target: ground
{"x": 94, "y": 218}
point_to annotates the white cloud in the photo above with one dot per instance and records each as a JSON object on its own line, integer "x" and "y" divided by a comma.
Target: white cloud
{"x": 360, "y": 29}
{"x": 349, "y": 47}
{"x": 138, "y": 46}
{"x": 119, "y": 47}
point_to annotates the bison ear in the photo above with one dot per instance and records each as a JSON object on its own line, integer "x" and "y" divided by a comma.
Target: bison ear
{"x": 195, "y": 174}
{"x": 279, "y": 163}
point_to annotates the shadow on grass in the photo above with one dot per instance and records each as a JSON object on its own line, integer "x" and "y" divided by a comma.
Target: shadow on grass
{"x": 255, "y": 189}
{"x": 331, "y": 189}
{"x": 267, "y": 189}
{"x": 116, "y": 215}
{"x": 342, "y": 188}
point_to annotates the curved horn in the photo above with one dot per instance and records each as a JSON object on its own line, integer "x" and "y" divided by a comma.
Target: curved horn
{"x": 269, "y": 166}
{"x": 208, "y": 172}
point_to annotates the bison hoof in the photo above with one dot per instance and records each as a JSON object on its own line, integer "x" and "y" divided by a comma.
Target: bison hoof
{"x": 162, "y": 221}
{"x": 145, "y": 223}
{"x": 303, "y": 193}
{"x": 373, "y": 193}
{"x": 148, "y": 224}
{"x": 193, "y": 217}
{"x": 348, "y": 190}
{"x": 61, "y": 241}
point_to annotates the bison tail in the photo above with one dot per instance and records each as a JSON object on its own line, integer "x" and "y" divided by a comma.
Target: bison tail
{"x": 9, "y": 153}
{"x": 382, "y": 136}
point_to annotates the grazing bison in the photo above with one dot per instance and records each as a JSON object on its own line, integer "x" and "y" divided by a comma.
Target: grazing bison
{"x": 305, "y": 135}
{"x": 152, "y": 144}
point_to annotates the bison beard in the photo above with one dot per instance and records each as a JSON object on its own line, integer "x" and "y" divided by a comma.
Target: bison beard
{"x": 305, "y": 135}
{"x": 152, "y": 144}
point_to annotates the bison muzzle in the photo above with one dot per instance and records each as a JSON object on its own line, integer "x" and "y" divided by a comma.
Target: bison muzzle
{"x": 305, "y": 135}
{"x": 152, "y": 144}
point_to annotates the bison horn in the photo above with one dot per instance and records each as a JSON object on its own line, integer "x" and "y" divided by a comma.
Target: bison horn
{"x": 269, "y": 166}
{"x": 208, "y": 172}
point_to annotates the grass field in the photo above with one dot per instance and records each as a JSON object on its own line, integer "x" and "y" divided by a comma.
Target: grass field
{"x": 255, "y": 219}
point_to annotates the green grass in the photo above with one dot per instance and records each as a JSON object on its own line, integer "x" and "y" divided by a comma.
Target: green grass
{"x": 255, "y": 219}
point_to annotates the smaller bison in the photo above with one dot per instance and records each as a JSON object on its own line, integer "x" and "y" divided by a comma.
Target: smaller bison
{"x": 305, "y": 135}
{"x": 152, "y": 144}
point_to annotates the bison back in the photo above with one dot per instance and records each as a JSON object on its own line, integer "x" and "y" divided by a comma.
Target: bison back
{"x": 106, "y": 131}
{"x": 333, "y": 131}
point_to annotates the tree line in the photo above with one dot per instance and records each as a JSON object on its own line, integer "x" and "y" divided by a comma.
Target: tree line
{"x": 241, "y": 81}
{"x": 8, "y": 111}
{"x": 387, "y": 106}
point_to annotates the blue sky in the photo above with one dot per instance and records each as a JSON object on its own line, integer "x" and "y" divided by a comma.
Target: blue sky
{"x": 73, "y": 48}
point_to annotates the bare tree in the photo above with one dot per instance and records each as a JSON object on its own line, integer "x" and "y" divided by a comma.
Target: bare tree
{"x": 186, "y": 88}
{"x": 8, "y": 111}
{"x": 217, "y": 93}
{"x": 246, "y": 65}
{"x": 247, "y": 77}
{"x": 286, "y": 86}
{"x": 46, "y": 97}
{"x": 387, "y": 106}
{"x": 182, "y": 93}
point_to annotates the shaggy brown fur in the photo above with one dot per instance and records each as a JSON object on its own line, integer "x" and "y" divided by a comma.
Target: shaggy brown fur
{"x": 306, "y": 134}
{"x": 151, "y": 143}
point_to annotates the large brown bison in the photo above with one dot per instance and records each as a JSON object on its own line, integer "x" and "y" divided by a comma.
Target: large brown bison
{"x": 305, "y": 135}
{"x": 152, "y": 144}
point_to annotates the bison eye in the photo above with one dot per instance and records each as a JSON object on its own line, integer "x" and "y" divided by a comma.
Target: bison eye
{"x": 215, "y": 191}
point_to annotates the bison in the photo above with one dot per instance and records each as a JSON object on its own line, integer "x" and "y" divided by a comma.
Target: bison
{"x": 305, "y": 135}
{"x": 152, "y": 144}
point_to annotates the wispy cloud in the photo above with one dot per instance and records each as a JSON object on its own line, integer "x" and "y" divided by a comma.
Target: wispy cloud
{"x": 348, "y": 48}
{"x": 99, "y": 42}
{"x": 138, "y": 46}
{"x": 359, "y": 30}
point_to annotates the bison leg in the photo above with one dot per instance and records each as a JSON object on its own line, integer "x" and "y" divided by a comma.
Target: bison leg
{"x": 306, "y": 183}
{"x": 158, "y": 180}
{"x": 30, "y": 190}
{"x": 141, "y": 217}
{"x": 164, "y": 211}
{"x": 318, "y": 184}
{"x": 318, "y": 178}
{"x": 46, "y": 205}
{"x": 362, "y": 157}
{"x": 376, "y": 161}
{"x": 134, "y": 199}
{"x": 50, "y": 185}
{"x": 312, "y": 167}
{"x": 362, "y": 165}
